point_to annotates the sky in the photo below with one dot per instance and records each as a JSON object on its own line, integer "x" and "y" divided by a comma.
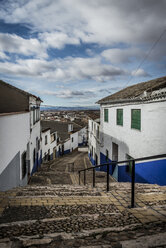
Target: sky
{"x": 75, "y": 52}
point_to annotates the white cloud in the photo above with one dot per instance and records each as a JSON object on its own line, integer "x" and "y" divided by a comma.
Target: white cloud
{"x": 57, "y": 39}
{"x": 3, "y": 55}
{"x": 12, "y": 43}
{"x": 67, "y": 93}
{"x": 101, "y": 21}
{"x": 140, "y": 73}
{"x": 117, "y": 55}
{"x": 64, "y": 70}
{"x": 126, "y": 29}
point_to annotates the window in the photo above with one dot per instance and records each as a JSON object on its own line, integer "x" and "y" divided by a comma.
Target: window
{"x": 46, "y": 140}
{"x": 72, "y": 139}
{"x": 34, "y": 155}
{"x": 38, "y": 113}
{"x": 106, "y": 115}
{"x": 34, "y": 116}
{"x": 23, "y": 165}
{"x": 97, "y": 132}
{"x": 107, "y": 155}
{"x": 45, "y": 156}
{"x": 136, "y": 119}
{"x": 119, "y": 117}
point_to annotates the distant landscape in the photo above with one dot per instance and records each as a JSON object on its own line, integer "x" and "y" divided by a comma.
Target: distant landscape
{"x": 65, "y": 108}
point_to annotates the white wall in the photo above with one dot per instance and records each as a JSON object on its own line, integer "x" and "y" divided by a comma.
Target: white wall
{"x": 46, "y": 147}
{"x": 74, "y": 144}
{"x": 94, "y": 141}
{"x": 67, "y": 145}
{"x": 150, "y": 140}
{"x": 14, "y": 137}
{"x": 53, "y": 143}
{"x": 82, "y": 133}
{"x": 35, "y": 131}
{"x": 50, "y": 145}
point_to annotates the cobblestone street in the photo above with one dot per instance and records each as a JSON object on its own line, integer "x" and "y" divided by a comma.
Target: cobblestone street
{"x": 54, "y": 211}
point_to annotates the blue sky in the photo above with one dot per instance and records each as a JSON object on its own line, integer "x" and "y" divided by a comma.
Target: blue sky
{"x": 75, "y": 52}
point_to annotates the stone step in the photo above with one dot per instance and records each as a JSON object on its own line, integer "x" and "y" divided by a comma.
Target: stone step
{"x": 17, "y": 221}
{"x": 100, "y": 187}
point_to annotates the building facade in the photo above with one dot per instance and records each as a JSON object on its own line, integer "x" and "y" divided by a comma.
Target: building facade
{"x": 133, "y": 124}
{"x": 19, "y": 135}
{"x": 68, "y": 135}
{"x": 49, "y": 145}
{"x": 94, "y": 141}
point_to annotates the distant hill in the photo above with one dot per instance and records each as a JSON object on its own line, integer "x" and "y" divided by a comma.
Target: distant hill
{"x": 61, "y": 108}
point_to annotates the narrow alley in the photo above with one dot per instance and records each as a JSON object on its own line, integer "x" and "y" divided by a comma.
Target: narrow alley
{"x": 54, "y": 211}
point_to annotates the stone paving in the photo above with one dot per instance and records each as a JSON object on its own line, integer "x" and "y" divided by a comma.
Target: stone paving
{"x": 68, "y": 215}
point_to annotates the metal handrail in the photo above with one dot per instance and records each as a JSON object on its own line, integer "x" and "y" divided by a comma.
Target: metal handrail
{"x": 120, "y": 162}
{"x": 126, "y": 161}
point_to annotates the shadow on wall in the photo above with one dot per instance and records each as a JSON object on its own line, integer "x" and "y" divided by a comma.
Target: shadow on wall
{"x": 152, "y": 172}
{"x": 10, "y": 177}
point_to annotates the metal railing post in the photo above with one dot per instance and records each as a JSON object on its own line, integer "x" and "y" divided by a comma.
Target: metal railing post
{"x": 107, "y": 177}
{"x": 79, "y": 178}
{"x": 84, "y": 177}
{"x": 133, "y": 185}
{"x": 93, "y": 177}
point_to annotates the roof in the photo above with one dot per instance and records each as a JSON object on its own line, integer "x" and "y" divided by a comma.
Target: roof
{"x": 19, "y": 90}
{"x": 138, "y": 91}
{"x": 80, "y": 123}
{"x": 60, "y": 127}
{"x": 44, "y": 129}
{"x": 93, "y": 114}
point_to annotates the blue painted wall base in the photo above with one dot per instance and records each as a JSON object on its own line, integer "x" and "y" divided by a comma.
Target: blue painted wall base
{"x": 152, "y": 172}
{"x": 67, "y": 151}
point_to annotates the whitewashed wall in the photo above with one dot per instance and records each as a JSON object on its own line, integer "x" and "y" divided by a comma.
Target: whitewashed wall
{"x": 82, "y": 135}
{"x": 74, "y": 144}
{"x": 14, "y": 137}
{"x": 94, "y": 141}
{"x": 150, "y": 140}
{"x": 53, "y": 143}
{"x": 46, "y": 147}
{"x": 35, "y": 132}
{"x": 50, "y": 144}
{"x": 67, "y": 145}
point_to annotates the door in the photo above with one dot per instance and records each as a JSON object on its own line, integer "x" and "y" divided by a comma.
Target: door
{"x": 37, "y": 157}
{"x": 114, "y": 152}
{"x": 96, "y": 159}
{"x": 63, "y": 149}
{"x": 115, "y": 158}
{"x": 48, "y": 154}
{"x": 54, "y": 153}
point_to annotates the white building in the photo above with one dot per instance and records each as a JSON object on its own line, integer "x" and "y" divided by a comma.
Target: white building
{"x": 49, "y": 144}
{"x": 94, "y": 141}
{"x": 19, "y": 136}
{"x": 82, "y": 136}
{"x": 14, "y": 149}
{"x": 133, "y": 125}
{"x": 35, "y": 134}
{"x": 68, "y": 134}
